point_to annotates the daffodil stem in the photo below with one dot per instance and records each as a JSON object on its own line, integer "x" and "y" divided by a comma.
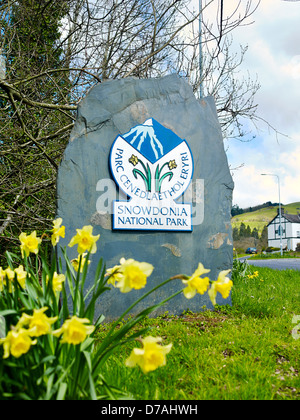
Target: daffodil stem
{"x": 77, "y": 357}
{"x": 106, "y": 344}
{"x": 143, "y": 297}
{"x": 139, "y": 300}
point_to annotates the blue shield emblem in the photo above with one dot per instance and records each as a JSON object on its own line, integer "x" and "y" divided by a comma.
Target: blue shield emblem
{"x": 154, "y": 167}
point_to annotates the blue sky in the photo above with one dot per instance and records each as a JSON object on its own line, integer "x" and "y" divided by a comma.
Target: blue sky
{"x": 274, "y": 57}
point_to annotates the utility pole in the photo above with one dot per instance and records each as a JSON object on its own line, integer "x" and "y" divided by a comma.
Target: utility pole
{"x": 280, "y": 224}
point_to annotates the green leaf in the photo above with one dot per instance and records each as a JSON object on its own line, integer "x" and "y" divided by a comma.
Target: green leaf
{"x": 92, "y": 387}
{"x": 87, "y": 356}
{"x": 62, "y": 391}
{"x": 8, "y": 312}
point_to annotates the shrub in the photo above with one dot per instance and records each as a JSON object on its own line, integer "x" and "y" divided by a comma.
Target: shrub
{"x": 272, "y": 249}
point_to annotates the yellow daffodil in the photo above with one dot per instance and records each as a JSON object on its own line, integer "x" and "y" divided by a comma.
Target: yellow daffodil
{"x": 6, "y": 275}
{"x": 38, "y": 324}
{"x": 172, "y": 164}
{"x": 21, "y": 276}
{"x": 254, "y": 275}
{"x": 29, "y": 243}
{"x": 10, "y": 274}
{"x": 134, "y": 160}
{"x": 151, "y": 356}
{"x": 74, "y": 331}
{"x": 57, "y": 281}
{"x": 75, "y": 262}
{"x": 2, "y": 279}
{"x": 196, "y": 283}
{"x": 57, "y": 231}
{"x": 114, "y": 275}
{"x": 130, "y": 274}
{"x": 85, "y": 240}
{"x": 223, "y": 285}
{"x": 17, "y": 343}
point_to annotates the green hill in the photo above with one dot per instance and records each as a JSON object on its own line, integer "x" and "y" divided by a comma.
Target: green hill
{"x": 262, "y": 217}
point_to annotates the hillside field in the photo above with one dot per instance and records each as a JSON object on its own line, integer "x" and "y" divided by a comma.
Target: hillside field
{"x": 262, "y": 217}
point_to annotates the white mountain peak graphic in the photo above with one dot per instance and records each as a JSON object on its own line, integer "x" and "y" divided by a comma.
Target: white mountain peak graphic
{"x": 140, "y": 134}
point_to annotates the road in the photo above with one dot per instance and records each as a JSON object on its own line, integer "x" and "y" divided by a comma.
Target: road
{"x": 276, "y": 264}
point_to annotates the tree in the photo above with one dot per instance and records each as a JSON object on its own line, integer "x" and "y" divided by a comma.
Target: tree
{"x": 264, "y": 237}
{"x": 242, "y": 231}
{"x": 235, "y": 234}
{"x": 255, "y": 233}
{"x": 29, "y": 150}
{"x": 55, "y": 50}
{"x": 248, "y": 232}
{"x": 236, "y": 210}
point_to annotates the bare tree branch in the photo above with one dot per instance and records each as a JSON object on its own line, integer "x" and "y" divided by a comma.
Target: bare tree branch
{"x": 55, "y": 51}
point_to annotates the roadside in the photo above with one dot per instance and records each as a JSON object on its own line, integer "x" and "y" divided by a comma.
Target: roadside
{"x": 275, "y": 264}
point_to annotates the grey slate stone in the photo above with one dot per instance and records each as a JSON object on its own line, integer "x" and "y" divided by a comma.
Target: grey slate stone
{"x": 113, "y": 108}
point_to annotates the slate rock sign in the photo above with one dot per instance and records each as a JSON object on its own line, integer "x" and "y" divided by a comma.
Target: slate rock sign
{"x": 146, "y": 167}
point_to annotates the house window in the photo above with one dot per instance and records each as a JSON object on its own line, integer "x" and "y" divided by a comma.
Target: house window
{"x": 298, "y": 234}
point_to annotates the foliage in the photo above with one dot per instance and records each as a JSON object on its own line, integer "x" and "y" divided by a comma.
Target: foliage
{"x": 32, "y": 136}
{"x": 244, "y": 232}
{"x": 48, "y": 350}
{"x": 276, "y": 255}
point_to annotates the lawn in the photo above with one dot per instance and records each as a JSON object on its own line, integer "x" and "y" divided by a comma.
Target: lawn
{"x": 249, "y": 351}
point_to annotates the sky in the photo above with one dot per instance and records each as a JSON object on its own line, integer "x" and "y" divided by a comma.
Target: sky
{"x": 274, "y": 57}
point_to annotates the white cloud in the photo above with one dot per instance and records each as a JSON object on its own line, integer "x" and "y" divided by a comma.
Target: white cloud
{"x": 251, "y": 188}
{"x": 282, "y": 159}
{"x": 274, "y": 56}
{"x": 292, "y": 68}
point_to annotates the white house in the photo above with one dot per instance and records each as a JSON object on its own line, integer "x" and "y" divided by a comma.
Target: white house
{"x": 290, "y": 231}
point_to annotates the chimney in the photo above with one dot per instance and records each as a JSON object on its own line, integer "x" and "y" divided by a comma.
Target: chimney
{"x": 282, "y": 210}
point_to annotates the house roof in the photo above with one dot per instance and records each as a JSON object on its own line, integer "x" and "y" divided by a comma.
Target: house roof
{"x": 293, "y": 218}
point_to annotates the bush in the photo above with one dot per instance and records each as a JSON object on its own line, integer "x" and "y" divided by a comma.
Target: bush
{"x": 272, "y": 249}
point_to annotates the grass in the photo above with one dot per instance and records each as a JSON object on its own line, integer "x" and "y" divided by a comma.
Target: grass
{"x": 269, "y": 256}
{"x": 243, "y": 352}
